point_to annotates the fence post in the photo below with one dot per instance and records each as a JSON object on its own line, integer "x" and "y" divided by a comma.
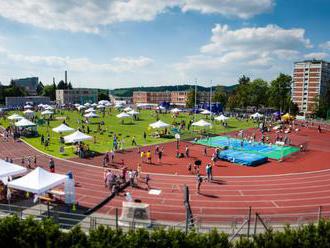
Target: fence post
{"x": 319, "y": 214}
{"x": 255, "y": 225}
{"x": 116, "y": 218}
{"x": 249, "y": 222}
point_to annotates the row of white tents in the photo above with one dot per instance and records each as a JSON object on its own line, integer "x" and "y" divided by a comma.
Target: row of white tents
{"x": 37, "y": 181}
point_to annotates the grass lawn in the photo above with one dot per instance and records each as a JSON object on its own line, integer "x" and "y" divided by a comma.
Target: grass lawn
{"x": 123, "y": 131}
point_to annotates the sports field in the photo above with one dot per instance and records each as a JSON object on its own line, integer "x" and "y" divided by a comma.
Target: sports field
{"x": 124, "y": 131}
{"x": 269, "y": 150}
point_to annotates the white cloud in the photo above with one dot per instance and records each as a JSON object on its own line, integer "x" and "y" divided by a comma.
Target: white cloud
{"x": 90, "y": 16}
{"x": 317, "y": 55}
{"x": 256, "y": 51}
{"x": 117, "y": 65}
{"x": 325, "y": 45}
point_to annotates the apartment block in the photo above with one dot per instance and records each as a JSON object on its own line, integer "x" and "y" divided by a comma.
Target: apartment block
{"x": 77, "y": 95}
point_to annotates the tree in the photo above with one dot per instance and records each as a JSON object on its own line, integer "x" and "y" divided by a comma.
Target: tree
{"x": 280, "y": 92}
{"x": 70, "y": 86}
{"x": 190, "y": 102}
{"x": 50, "y": 91}
{"x": 40, "y": 88}
{"x": 257, "y": 92}
{"x": 61, "y": 85}
{"x": 243, "y": 80}
{"x": 220, "y": 96}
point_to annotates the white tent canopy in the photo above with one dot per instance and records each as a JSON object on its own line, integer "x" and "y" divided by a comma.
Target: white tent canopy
{"x": 127, "y": 109}
{"x": 201, "y": 123}
{"x": 37, "y": 181}
{"x": 133, "y": 112}
{"x": 103, "y": 102}
{"x": 159, "y": 124}
{"x": 24, "y": 123}
{"x": 206, "y": 112}
{"x": 28, "y": 112}
{"x": 100, "y": 106}
{"x": 15, "y": 117}
{"x": 89, "y": 110}
{"x": 9, "y": 169}
{"x": 256, "y": 115}
{"x": 123, "y": 115}
{"x": 49, "y": 108}
{"x": 28, "y": 106}
{"x": 62, "y": 128}
{"x": 176, "y": 110}
{"x": 221, "y": 118}
{"x": 77, "y": 137}
{"x": 94, "y": 104}
{"x": 87, "y": 104}
{"x": 80, "y": 107}
{"x": 47, "y": 112}
{"x": 91, "y": 115}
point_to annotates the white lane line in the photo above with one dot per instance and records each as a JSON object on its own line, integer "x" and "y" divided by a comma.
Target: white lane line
{"x": 274, "y": 203}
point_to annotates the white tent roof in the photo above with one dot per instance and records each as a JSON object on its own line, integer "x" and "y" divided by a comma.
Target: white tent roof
{"x": 202, "y": 123}
{"x": 29, "y": 111}
{"x": 128, "y": 109}
{"x": 9, "y": 169}
{"x": 91, "y": 115}
{"x": 87, "y": 104}
{"x": 62, "y": 128}
{"x": 133, "y": 112}
{"x": 206, "y": 112}
{"x": 221, "y": 118}
{"x": 100, "y": 106}
{"x": 176, "y": 110}
{"x": 47, "y": 112}
{"x": 15, "y": 117}
{"x": 123, "y": 115}
{"x": 94, "y": 104}
{"x": 161, "y": 107}
{"x": 77, "y": 136}
{"x": 40, "y": 105}
{"x": 159, "y": 124}
{"x": 49, "y": 108}
{"x": 89, "y": 110}
{"x": 81, "y": 107}
{"x": 24, "y": 123}
{"x": 103, "y": 102}
{"x": 37, "y": 181}
{"x": 257, "y": 115}
{"x": 27, "y": 106}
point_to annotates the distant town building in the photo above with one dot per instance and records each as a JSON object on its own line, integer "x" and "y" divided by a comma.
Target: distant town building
{"x": 173, "y": 97}
{"x": 310, "y": 80}
{"x": 126, "y": 99}
{"x": 20, "y": 101}
{"x": 29, "y": 84}
{"x": 76, "y": 95}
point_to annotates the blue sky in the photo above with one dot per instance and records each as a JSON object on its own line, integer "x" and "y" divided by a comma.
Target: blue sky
{"x": 121, "y": 43}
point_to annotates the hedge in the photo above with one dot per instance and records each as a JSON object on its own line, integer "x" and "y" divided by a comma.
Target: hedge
{"x": 32, "y": 233}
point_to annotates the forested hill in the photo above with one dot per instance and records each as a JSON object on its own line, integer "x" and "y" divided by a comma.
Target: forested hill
{"x": 126, "y": 92}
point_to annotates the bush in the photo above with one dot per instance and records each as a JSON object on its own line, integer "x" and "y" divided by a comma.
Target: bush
{"x": 31, "y": 233}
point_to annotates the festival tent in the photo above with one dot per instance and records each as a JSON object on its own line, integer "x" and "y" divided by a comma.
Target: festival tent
{"x": 201, "y": 123}
{"x": 15, "y": 117}
{"x": 94, "y": 104}
{"x": 176, "y": 110}
{"x": 221, "y": 118}
{"x": 287, "y": 116}
{"x": 256, "y": 115}
{"x": 81, "y": 107}
{"x": 161, "y": 108}
{"x": 8, "y": 169}
{"x": 123, "y": 115}
{"x": 133, "y": 112}
{"x": 159, "y": 124}
{"x": 47, "y": 112}
{"x": 28, "y": 112}
{"x": 49, "y": 108}
{"x": 40, "y": 105}
{"x": 87, "y": 104}
{"x": 28, "y": 106}
{"x": 24, "y": 123}
{"x": 103, "y": 102}
{"x": 91, "y": 115}
{"x": 89, "y": 110}
{"x": 62, "y": 129}
{"x": 127, "y": 109}
{"x": 100, "y": 106}
{"x": 77, "y": 136}
{"x": 76, "y": 105}
{"x": 206, "y": 112}
{"x": 38, "y": 181}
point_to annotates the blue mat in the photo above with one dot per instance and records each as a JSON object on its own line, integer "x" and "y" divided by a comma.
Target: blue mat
{"x": 244, "y": 158}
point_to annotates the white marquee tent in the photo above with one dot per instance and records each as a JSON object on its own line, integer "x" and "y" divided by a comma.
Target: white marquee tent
{"x": 9, "y": 169}
{"x": 256, "y": 115}
{"x": 24, "y": 123}
{"x": 62, "y": 129}
{"x": 77, "y": 136}
{"x": 176, "y": 110}
{"x": 38, "y": 181}
{"x": 159, "y": 124}
{"x": 91, "y": 115}
{"x": 15, "y": 117}
{"x": 201, "y": 123}
{"x": 133, "y": 112}
{"x": 47, "y": 112}
{"x": 221, "y": 118}
{"x": 123, "y": 115}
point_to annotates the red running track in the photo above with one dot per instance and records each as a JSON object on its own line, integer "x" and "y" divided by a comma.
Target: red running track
{"x": 286, "y": 191}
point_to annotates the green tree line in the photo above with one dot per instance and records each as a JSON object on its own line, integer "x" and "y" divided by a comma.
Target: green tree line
{"x": 31, "y": 233}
